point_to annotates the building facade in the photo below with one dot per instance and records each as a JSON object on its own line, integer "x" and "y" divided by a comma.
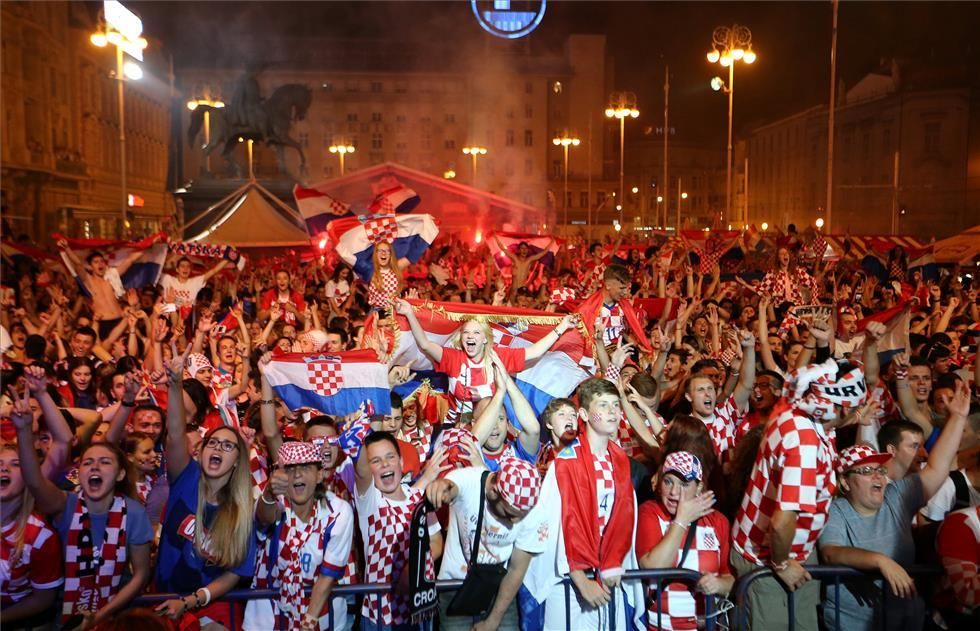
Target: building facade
{"x": 903, "y": 141}
{"x": 391, "y": 108}
{"x": 60, "y": 156}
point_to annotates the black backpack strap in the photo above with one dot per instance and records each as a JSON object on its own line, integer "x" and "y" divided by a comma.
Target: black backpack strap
{"x": 962, "y": 489}
{"x": 479, "y": 519}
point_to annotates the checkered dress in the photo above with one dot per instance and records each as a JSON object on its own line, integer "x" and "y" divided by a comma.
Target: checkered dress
{"x": 383, "y": 297}
{"x": 605, "y": 489}
{"x": 794, "y": 471}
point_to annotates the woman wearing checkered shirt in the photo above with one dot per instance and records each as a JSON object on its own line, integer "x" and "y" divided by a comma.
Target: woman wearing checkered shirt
{"x": 663, "y": 533}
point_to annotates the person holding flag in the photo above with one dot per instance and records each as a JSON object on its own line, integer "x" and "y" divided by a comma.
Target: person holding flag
{"x": 467, "y": 361}
{"x": 609, "y": 309}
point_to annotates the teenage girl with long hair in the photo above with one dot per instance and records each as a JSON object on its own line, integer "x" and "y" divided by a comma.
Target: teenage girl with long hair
{"x": 207, "y": 543}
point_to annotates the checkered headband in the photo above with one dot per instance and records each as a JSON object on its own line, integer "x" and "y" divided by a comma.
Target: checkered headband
{"x": 196, "y": 362}
{"x": 518, "y": 482}
{"x": 684, "y": 464}
{"x": 858, "y": 456}
{"x": 798, "y": 382}
{"x": 298, "y": 453}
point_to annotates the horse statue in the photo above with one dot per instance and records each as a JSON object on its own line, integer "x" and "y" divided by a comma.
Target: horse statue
{"x": 265, "y": 121}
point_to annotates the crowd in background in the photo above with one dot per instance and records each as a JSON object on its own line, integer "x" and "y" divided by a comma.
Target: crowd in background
{"x": 755, "y": 416}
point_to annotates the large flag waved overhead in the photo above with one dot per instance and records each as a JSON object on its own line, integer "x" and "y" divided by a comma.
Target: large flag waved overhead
{"x": 355, "y": 238}
{"x": 555, "y": 374}
{"x": 318, "y": 208}
{"x": 144, "y": 271}
{"x": 336, "y": 383}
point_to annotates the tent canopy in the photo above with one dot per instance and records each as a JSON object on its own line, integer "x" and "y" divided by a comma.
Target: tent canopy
{"x": 959, "y": 248}
{"x": 250, "y": 216}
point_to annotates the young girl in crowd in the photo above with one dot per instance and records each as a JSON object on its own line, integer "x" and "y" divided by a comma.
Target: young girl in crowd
{"x": 103, "y": 530}
{"x": 30, "y": 554}
{"x": 79, "y": 389}
{"x": 207, "y": 545}
{"x": 386, "y": 280}
{"x": 144, "y": 459}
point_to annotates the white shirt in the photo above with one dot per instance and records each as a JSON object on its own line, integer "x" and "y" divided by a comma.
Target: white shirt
{"x": 497, "y": 541}
{"x": 184, "y": 293}
{"x": 944, "y": 499}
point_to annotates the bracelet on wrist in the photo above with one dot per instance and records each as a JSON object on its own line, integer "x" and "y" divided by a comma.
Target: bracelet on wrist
{"x": 267, "y": 402}
{"x": 267, "y": 502}
{"x": 683, "y": 526}
{"x": 779, "y": 567}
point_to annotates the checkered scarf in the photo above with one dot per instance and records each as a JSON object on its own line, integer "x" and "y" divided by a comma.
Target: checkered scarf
{"x": 92, "y": 574}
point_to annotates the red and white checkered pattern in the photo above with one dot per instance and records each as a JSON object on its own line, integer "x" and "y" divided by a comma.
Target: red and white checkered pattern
{"x": 794, "y": 471}
{"x": 518, "y": 483}
{"x": 708, "y": 553}
{"x": 298, "y": 453}
{"x": 561, "y": 296}
{"x": 382, "y": 229}
{"x": 196, "y": 362}
{"x": 387, "y": 551}
{"x": 326, "y": 376}
{"x": 37, "y": 567}
{"x": 613, "y": 323}
{"x": 605, "y": 488}
{"x": 627, "y": 437}
{"x": 721, "y": 426}
{"x": 382, "y": 297}
{"x": 684, "y": 464}
{"x": 959, "y": 547}
{"x": 785, "y": 286}
{"x": 858, "y": 456}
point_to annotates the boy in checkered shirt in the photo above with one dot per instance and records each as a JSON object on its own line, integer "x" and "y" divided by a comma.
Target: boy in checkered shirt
{"x": 786, "y": 504}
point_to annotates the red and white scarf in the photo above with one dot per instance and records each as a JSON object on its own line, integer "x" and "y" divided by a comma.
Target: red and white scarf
{"x": 92, "y": 574}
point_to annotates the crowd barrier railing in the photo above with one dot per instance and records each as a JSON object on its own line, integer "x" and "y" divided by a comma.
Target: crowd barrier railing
{"x": 648, "y": 578}
{"x": 834, "y": 573}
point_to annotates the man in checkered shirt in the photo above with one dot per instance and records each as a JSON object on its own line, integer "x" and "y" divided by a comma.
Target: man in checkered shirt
{"x": 786, "y": 504}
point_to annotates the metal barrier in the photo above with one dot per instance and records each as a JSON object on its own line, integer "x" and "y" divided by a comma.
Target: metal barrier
{"x": 818, "y": 572}
{"x": 647, "y": 577}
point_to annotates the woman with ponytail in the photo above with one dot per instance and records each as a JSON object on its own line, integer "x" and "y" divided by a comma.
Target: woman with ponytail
{"x": 207, "y": 545}
{"x": 104, "y": 531}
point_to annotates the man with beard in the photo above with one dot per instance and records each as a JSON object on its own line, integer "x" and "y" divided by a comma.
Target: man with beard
{"x": 768, "y": 387}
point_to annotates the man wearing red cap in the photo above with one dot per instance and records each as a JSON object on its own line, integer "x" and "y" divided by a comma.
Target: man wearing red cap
{"x": 870, "y": 528}
{"x": 510, "y": 534}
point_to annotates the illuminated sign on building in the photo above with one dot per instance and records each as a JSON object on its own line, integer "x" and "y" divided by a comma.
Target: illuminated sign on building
{"x": 508, "y": 18}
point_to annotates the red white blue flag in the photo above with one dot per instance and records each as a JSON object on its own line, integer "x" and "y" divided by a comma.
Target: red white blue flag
{"x": 355, "y": 238}
{"x": 337, "y": 383}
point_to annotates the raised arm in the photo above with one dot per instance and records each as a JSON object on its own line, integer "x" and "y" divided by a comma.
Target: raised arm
{"x": 943, "y": 453}
{"x": 267, "y": 411}
{"x": 906, "y": 400}
{"x": 125, "y": 410}
{"x": 540, "y": 347}
{"x": 746, "y": 382}
{"x": 484, "y": 423}
{"x": 178, "y": 456}
{"x": 762, "y": 331}
{"x": 430, "y": 348}
{"x": 530, "y": 435}
{"x": 48, "y": 498}
{"x": 541, "y": 254}
{"x": 214, "y": 270}
{"x": 123, "y": 265}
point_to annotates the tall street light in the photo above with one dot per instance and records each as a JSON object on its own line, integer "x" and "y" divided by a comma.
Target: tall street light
{"x": 475, "y": 152}
{"x": 622, "y": 105}
{"x": 341, "y": 151}
{"x": 123, "y": 29}
{"x": 564, "y": 141}
{"x": 730, "y": 44}
{"x": 207, "y": 101}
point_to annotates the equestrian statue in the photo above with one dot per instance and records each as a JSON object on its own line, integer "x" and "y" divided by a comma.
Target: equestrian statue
{"x": 250, "y": 117}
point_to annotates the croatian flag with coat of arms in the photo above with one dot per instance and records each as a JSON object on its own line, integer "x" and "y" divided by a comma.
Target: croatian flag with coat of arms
{"x": 337, "y": 383}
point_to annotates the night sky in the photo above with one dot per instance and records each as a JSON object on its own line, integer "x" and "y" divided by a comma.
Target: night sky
{"x": 792, "y": 40}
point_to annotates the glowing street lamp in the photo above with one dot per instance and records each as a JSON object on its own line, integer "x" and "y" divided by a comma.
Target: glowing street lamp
{"x": 565, "y": 141}
{"x": 622, "y": 105}
{"x": 475, "y": 152}
{"x": 123, "y": 29}
{"x": 208, "y": 102}
{"x": 729, "y": 44}
{"x": 765, "y": 226}
{"x": 341, "y": 151}
{"x": 819, "y": 222}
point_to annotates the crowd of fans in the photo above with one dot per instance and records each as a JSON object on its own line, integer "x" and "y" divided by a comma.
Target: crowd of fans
{"x": 145, "y": 451}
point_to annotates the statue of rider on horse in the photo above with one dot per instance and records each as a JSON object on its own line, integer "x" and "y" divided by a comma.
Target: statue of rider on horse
{"x": 249, "y": 116}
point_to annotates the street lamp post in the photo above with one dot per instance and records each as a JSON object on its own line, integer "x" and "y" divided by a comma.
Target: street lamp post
{"x": 341, "y": 151}
{"x": 681, "y": 194}
{"x": 730, "y": 44}
{"x": 565, "y": 142}
{"x": 475, "y": 152}
{"x": 621, "y": 106}
{"x": 123, "y": 29}
{"x": 206, "y": 100}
